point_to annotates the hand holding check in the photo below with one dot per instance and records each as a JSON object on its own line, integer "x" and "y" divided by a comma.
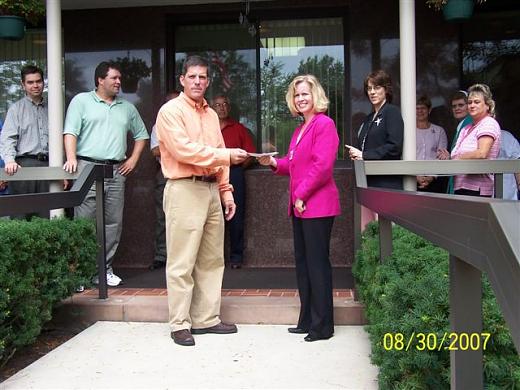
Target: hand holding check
{"x": 354, "y": 153}
{"x": 265, "y": 158}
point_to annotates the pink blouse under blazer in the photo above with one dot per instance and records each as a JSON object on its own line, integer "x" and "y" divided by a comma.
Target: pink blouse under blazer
{"x": 309, "y": 164}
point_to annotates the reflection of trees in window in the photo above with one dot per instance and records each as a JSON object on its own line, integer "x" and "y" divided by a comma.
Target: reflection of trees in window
{"x": 233, "y": 76}
{"x": 331, "y": 74}
{"x": 436, "y": 69}
{"x": 496, "y": 63}
{"x": 277, "y": 124}
{"x": 145, "y": 94}
{"x": 10, "y": 82}
{"x": 74, "y": 82}
{"x": 13, "y": 56}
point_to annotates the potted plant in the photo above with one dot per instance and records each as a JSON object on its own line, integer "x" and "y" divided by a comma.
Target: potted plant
{"x": 15, "y": 13}
{"x": 132, "y": 69}
{"x": 454, "y": 10}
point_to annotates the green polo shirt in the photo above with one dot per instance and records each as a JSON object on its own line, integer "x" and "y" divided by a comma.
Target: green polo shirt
{"x": 100, "y": 128}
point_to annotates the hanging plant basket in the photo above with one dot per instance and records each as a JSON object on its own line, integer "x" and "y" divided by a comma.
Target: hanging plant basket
{"x": 12, "y": 27}
{"x": 458, "y": 10}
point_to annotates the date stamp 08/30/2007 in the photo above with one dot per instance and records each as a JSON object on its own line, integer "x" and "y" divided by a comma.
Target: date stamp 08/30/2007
{"x": 449, "y": 341}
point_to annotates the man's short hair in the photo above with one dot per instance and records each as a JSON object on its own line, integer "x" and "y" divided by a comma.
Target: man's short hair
{"x": 30, "y": 69}
{"x": 102, "y": 70}
{"x": 194, "y": 61}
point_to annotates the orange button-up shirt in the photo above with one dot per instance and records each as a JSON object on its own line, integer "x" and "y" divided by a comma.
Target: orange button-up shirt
{"x": 191, "y": 142}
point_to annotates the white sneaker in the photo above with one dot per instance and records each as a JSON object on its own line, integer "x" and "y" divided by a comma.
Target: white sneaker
{"x": 112, "y": 279}
{"x": 80, "y": 288}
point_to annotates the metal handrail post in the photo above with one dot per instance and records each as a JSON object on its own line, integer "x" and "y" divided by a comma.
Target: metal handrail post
{"x": 357, "y": 224}
{"x": 385, "y": 238}
{"x": 499, "y": 186}
{"x": 466, "y": 324}
{"x": 361, "y": 181}
{"x": 101, "y": 237}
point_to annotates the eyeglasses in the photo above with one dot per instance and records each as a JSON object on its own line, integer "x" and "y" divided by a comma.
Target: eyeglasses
{"x": 459, "y": 105}
{"x": 219, "y": 105}
{"x": 374, "y": 88}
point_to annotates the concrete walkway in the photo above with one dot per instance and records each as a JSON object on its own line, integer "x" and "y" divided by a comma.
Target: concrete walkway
{"x": 132, "y": 355}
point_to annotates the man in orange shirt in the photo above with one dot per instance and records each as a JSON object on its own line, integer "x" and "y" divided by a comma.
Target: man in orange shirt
{"x": 196, "y": 163}
{"x": 235, "y": 136}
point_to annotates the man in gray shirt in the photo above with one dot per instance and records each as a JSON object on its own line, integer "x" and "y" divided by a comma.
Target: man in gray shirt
{"x": 24, "y": 140}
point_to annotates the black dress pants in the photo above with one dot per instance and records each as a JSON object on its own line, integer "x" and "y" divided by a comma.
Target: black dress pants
{"x": 236, "y": 224}
{"x": 314, "y": 274}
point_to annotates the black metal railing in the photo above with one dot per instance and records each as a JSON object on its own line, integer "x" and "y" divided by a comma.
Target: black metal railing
{"x": 480, "y": 234}
{"x": 26, "y": 203}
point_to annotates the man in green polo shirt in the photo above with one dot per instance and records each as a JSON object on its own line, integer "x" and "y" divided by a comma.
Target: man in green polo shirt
{"x": 95, "y": 132}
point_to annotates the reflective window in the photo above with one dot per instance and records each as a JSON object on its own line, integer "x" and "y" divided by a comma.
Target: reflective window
{"x": 230, "y": 50}
{"x": 496, "y": 63}
{"x": 289, "y": 48}
{"x": 136, "y": 80}
{"x": 32, "y": 49}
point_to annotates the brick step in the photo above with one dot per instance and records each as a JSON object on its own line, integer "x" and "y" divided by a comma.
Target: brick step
{"x": 248, "y": 306}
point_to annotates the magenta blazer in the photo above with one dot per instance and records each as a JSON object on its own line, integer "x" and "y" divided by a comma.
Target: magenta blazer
{"x": 310, "y": 165}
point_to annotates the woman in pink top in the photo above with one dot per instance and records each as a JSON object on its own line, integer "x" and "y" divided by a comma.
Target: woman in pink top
{"x": 478, "y": 140}
{"x": 313, "y": 203}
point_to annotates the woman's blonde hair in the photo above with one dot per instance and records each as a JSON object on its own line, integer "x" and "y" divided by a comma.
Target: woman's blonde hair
{"x": 486, "y": 93}
{"x": 319, "y": 99}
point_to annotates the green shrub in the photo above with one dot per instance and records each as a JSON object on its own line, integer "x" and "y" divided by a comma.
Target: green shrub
{"x": 41, "y": 263}
{"x": 409, "y": 293}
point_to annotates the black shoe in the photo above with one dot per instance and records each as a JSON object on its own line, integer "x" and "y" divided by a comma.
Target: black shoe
{"x": 183, "y": 337}
{"x": 311, "y": 337}
{"x": 156, "y": 265}
{"x": 236, "y": 265}
{"x": 297, "y": 330}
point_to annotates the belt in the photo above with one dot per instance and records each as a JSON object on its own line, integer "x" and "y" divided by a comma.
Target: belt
{"x": 206, "y": 179}
{"x": 39, "y": 156}
{"x": 93, "y": 160}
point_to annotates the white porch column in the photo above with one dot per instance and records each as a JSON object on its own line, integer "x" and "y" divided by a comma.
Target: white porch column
{"x": 55, "y": 92}
{"x": 408, "y": 81}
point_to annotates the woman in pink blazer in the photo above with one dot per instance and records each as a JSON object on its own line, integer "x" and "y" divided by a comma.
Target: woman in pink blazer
{"x": 313, "y": 203}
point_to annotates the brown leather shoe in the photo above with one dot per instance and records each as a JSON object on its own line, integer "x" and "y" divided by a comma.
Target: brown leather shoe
{"x": 220, "y": 328}
{"x": 183, "y": 337}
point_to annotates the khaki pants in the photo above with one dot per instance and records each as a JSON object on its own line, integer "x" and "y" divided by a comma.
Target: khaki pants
{"x": 195, "y": 247}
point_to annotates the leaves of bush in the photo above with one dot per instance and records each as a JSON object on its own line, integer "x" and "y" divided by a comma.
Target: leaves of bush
{"x": 409, "y": 293}
{"x": 41, "y": 263}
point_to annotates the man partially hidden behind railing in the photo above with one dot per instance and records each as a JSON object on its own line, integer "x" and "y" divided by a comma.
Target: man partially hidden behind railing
{"x": 24, "y": 140}
{"x": 95, "y": 132}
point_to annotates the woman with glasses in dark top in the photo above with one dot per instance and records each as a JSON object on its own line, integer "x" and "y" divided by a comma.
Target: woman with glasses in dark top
{"x": 380, "y": 137}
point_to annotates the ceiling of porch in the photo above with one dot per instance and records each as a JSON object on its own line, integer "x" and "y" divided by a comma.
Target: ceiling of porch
{"x": 93, "y": 4}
